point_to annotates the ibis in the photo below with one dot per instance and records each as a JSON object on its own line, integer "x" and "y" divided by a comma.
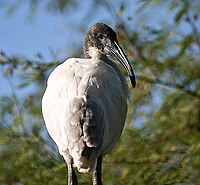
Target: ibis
{"x": 85, "y": 103}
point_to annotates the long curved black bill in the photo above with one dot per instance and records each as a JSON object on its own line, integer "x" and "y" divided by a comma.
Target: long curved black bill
{"x": 117, "y": 52}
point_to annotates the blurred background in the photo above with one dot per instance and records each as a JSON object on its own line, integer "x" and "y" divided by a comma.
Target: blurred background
{"x": 161, "y": 140}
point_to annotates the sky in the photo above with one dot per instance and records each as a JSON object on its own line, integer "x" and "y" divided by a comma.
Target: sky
{"x": 21, "y": 35}
{"x": 27, "y": 36}
{"x": 18, "y": 37}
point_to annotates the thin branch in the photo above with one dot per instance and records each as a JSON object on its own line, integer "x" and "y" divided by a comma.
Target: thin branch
{"x": 156, "y": 81}
{"x": 19, "y": 110}
{"x": 199, "y": 115}
{"x": 169, "y": 84}
{"x": 14, "y": 62}
{"x": 194, "y": 29}
{"x": 125, "y": 162}
{"x": 116, "y": 17}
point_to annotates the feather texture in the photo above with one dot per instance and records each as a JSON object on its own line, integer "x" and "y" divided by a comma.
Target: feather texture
{"x": 81, "y": 97}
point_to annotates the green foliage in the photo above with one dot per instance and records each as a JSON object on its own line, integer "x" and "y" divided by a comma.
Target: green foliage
{"x": 160, "y": 144}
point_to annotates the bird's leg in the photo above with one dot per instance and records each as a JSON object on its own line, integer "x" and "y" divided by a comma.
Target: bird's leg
{"x": 72, "y": 179}
{"x": 96, "y": 175}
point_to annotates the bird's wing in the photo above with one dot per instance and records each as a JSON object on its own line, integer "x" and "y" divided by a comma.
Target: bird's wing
{"x": 61, "y": 89}
{"x": 96, "y": 81}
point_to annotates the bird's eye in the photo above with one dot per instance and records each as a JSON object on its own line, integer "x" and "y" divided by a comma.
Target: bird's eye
{"x": 100, "y": 36}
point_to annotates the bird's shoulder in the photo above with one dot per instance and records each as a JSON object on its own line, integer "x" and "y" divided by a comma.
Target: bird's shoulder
{"x": 76, "y": 70}
{"x": 80, "y": 66}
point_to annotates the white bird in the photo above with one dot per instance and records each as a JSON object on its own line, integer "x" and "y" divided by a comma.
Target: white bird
{"x": 85, "y": 103}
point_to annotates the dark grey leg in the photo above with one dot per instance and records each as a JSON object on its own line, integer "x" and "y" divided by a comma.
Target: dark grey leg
{"x": 72, "y": 179}
{"x": 96, "y": 175}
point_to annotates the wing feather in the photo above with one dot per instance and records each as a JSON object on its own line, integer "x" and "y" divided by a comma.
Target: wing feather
{"x": 84, "y": 105}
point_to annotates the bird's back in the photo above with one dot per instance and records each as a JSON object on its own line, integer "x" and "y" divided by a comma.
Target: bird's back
{"x": 84, "y": 108}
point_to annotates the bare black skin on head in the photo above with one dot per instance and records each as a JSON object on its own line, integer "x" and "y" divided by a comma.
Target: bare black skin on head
{"x": 98, "y": 36}
{"x": 104, "y": 39}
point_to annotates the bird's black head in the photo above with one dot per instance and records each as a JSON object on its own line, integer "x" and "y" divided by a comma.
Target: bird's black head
{"x": 101, "y": 40}
{"x": 98, "y": 37}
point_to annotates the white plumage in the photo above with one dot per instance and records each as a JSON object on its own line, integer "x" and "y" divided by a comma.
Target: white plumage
{"x": 83, "y": 79}
{"x": 84, "y": 107}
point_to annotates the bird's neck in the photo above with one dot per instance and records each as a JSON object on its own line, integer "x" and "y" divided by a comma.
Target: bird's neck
{"x": 94, "y": 53}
